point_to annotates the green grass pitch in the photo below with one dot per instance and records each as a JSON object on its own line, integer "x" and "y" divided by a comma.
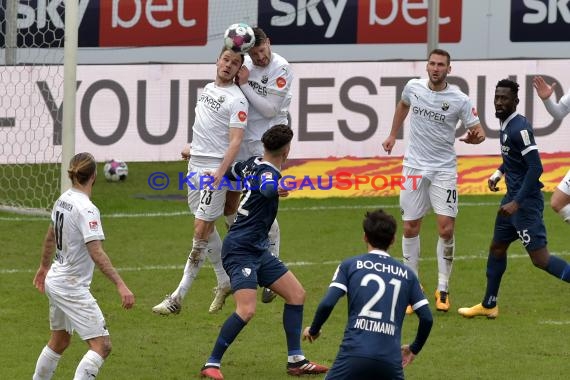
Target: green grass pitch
{"x": 148, "y": 240}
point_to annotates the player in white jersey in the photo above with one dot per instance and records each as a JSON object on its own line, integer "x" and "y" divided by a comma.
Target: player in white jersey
{"x": 436, "y": 107}
{"x": 560, "y": 200}
{"x": 75, "y": 236}
{"x": 265, "y": 79}
{"x": 221, "y": 117}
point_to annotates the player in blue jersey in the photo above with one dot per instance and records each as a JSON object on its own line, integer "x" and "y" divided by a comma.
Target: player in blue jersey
{"x": 520, "y": 212}
{"x": 248, "y": 261}
{"x": 379, "y": 288}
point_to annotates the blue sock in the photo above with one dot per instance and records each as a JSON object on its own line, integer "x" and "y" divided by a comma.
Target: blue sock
{"x": 558, "y": 268}
{"x": 229, "y": 331}
{"x": 293, "y": 324}
{"x": 495, "y": 269}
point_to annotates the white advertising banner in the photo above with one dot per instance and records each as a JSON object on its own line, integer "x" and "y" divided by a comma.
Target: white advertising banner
{"x": 146, "y": 112}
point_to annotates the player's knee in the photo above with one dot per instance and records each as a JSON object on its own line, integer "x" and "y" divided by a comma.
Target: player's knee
{"x": 411, "y": 229}
{"x": 107, "y": 347}
{"x": 246, "y": 314}
{"x": 539, "y": 261}
{"x": 498, "y": 250}
{"x": 296, "y": 297}
{"x": 59, "y": 345}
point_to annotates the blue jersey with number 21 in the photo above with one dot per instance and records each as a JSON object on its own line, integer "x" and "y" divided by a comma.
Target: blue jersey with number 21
{"x": 378, "y": 288}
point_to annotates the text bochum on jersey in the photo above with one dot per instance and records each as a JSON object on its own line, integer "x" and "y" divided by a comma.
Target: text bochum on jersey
{"x": 373, "y": 325}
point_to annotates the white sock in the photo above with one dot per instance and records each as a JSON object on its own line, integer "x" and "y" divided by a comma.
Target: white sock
{"x": 230, "y": 219}
{"x": 88, "y": 367}
{"x": 214, "y": 253}
{"x": 445, "y": 251}
{"x": 191, "y": 269}
{"x": 565, "y": 213}
{"x": 411, "y": 252}
{"x": 46, "y": 364}
{"x": 274, "y": 238}
{"x": 295, "y": 358}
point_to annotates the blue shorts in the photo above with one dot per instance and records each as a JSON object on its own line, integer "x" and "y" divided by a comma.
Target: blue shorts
{"x": 352, "y": 367}
{"x": 526, "y": 224}
{"x": 246, "y": 271}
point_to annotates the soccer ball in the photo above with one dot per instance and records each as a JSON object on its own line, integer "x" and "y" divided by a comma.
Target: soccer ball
{"x": 116, "y": 170}
{"x": 239, "y": 37}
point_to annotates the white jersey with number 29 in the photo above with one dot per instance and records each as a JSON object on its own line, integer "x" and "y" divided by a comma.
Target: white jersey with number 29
{"x": 434, "y": 118}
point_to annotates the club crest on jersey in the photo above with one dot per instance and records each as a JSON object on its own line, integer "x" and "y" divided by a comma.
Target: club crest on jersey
{"x": 242, "y": 116}
{"x": 221, "y": 99}
{"x": 93, "y": 225}
{"x": 246, "y": 272}
{"x": 474, "y": 112}
{"x": 445, "y": 106}
{"x": 264, "y": 79}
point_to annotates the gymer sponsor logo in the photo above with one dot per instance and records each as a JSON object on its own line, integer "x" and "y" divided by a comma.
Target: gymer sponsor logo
{"x": 259, "y": 89}
{"x": 210, "y": 102}
{"x": 429, "y": 114}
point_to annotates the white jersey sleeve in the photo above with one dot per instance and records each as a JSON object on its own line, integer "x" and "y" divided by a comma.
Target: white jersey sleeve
{"x": 269, "y": 93}
{"x": 89, "y": 223}
{"x": 558, "y": 110}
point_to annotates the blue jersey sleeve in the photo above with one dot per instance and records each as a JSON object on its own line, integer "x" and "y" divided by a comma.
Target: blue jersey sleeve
{"x": 268, "y": 183}
{"x": 424, "y": 328}
{"x": 325, "y": 309}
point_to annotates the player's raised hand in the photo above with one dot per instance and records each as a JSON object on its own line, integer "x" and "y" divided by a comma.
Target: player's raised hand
{"x": 242, "y": 76}
{"x": 307, "y": 335}
{"x": 543, "y": 89}
{"x": 388, "y": 144}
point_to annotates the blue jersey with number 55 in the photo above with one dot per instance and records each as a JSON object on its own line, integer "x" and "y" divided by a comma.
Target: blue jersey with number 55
{"x": 258, "y": 206}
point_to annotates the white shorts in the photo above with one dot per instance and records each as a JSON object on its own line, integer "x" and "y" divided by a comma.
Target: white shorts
{"x": 75, "y": 311}
{"x": 564, "y": 185}
{"x": 249, "y": 148}
{"x": 205, "y": 204}
{"x": 427, "y": 189}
